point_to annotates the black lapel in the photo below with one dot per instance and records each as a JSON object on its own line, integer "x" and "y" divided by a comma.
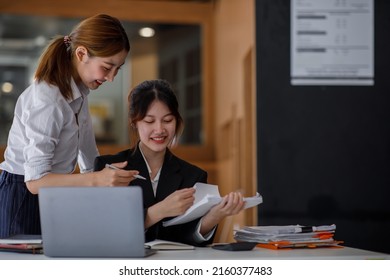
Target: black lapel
{"x": 170, "y": 177}
{"x": 135, "y": 161}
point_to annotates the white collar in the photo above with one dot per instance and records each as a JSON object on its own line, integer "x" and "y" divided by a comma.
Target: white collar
{"x": 157, "y": 177}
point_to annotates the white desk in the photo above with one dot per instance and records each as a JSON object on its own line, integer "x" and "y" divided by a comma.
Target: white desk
{"x": 261, "y": 253}
{"x": 345, "y": 253}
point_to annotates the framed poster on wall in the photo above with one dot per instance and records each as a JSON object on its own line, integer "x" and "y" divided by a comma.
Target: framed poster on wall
{"x": 332, "y": 42}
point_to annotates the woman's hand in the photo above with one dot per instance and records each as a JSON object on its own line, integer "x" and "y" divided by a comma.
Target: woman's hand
{"x": 178, "y": 202}
{"x": 175, "y": 204}
{"x": 116, "y": 175}
{"x": 231, "y": 204}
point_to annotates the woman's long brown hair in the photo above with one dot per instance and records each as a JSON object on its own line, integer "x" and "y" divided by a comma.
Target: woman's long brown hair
{"x": 102, "y": 35}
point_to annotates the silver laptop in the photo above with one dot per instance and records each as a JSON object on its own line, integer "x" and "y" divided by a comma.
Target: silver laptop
{"x": 92, "y": 222}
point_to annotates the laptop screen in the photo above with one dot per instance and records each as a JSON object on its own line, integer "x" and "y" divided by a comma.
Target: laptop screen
{"x": 92, "y": 221}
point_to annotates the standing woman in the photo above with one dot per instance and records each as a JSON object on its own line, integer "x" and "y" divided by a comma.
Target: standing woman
{"x": 168, "y": 191}
{"x": 52, "y": 129}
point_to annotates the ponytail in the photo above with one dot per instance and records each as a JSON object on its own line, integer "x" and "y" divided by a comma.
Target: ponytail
{"x": 55, "y": 67}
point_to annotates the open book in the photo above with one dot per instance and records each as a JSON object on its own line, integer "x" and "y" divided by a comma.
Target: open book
{"x": 159, "y": 244}
{"x": 206, "y": 196}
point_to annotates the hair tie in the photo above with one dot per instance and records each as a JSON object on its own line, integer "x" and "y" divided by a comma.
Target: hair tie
{"x": 67, "y": 41}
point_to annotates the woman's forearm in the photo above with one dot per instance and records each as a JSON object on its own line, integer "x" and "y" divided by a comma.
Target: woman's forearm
{"x": 153, "y": 215}
{"x": 65, "y": 180}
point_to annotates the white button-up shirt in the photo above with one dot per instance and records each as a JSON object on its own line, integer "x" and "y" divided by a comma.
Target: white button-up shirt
{"x": 50, "y": 134}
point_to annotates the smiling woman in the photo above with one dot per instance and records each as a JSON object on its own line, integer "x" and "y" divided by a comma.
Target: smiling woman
{"x": 167, "y": 191}
{"x": 95, "y": 70}
{"x": 181, "y": 51}
{"x": 52, "y": 129}
{"x": 195, "y": 47}
{"x": 173, "y": 53}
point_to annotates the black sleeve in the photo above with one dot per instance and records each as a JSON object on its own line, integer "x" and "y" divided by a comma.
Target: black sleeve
{"x": 101, "y": 161}
{"x": 99, "y": 164}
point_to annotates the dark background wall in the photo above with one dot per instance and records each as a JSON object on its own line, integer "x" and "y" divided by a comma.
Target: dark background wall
{"x": 323, "y": 151}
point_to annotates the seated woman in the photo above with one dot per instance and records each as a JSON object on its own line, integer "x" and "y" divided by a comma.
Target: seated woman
{"x": 156, "y": 124}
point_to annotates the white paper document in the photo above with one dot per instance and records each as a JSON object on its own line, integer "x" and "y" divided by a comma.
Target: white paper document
{"x": 206, "y": 196}
{"x": 288, "y": 235}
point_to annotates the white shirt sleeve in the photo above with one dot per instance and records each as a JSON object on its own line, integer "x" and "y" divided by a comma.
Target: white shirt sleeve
{"x": 45, "y": 136}
{"x": 43, "y": 125}
{"x": 199, "y": 237}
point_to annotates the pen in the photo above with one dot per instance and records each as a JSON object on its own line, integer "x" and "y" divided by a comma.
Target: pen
{"x": 116, "y": 168}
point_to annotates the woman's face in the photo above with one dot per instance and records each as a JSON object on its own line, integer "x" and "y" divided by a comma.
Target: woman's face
{"x": 94, "y": 71}
{"x": 157, "y": 129}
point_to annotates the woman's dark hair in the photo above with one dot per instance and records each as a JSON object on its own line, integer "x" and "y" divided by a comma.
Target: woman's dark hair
{"x": 102, "y": 35}
{"x": 143, "y": 95}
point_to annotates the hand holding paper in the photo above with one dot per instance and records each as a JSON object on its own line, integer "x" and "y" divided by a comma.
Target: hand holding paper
{"x": 206, "y": 196}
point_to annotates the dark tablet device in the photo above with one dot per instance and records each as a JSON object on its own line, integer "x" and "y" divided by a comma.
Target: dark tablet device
{"x": 235, "y": 246}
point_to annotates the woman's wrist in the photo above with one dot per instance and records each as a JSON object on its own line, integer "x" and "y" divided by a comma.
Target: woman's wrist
{"x": 154, "y": 214}
{"x": 211, "y": 220}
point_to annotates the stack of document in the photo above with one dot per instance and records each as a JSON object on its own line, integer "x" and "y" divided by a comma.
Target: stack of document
{"x": 292, "y": 236}
{"x": 22, "y": 244}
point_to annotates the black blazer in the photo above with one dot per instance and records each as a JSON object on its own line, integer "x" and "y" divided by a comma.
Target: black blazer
{"x": 175, "y": 174}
